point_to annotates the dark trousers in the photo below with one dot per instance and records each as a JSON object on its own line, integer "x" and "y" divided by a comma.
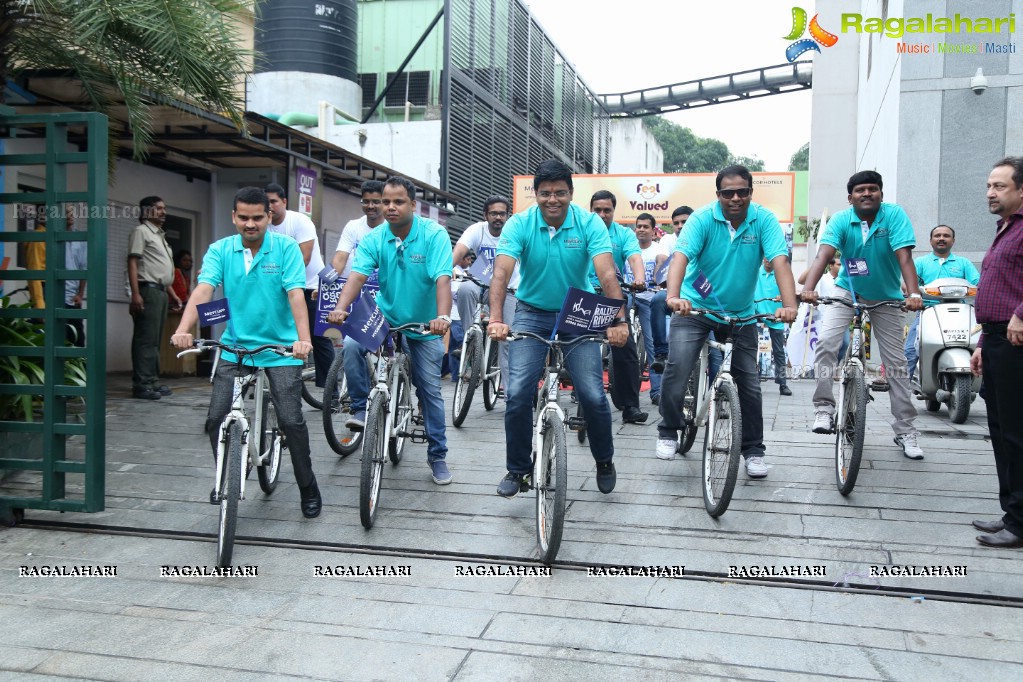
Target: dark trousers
{"x": 286, "y": 393}
{"x": 323, "y": 348}
{"x": 74, "y": 329}
{"x": 145, "y": 340}
{"x": 625, "y": 389}
{"x": 1003, "y": 387}
{"x": 778, "y": 355}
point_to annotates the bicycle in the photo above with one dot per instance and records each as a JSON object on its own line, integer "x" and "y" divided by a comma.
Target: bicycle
{"x": 717, "y": 408}
{"x": 550, "y": 451}
{"x": 309, "y": 389}
{"x": 477, "y": 345}
{"x": 234, "y": 440}
{"x": 338, "y": 404}
{"x": 389, "y": 418}
{"x": 853, "y": 395}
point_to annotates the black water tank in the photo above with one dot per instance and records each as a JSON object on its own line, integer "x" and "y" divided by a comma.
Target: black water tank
{"x": 316, "y": 36}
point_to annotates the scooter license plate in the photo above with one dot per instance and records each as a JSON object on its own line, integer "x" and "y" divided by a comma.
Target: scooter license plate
{"x": 957, "y": 335}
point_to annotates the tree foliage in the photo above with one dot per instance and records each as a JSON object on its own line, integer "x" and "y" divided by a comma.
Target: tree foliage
{"x": 800, "y": 161}
{"x": 146, "y": 51}
{"x": 686, "y": 152}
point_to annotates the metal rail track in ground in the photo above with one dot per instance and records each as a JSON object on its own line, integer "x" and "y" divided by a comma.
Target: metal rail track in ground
{"x": 440, "y": 555}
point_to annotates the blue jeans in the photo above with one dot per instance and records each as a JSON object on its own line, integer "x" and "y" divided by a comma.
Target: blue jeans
{"x": 643, "y": 309}
{"x": 658, "y": 322}
{"x": 912, "y": 357}
{"x": 426, "y": 356}
{"x": 526, "y": 365}
{"x": 688, "y": 335}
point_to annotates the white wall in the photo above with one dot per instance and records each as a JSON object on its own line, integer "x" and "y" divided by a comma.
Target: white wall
{"x": 633, "y": 149}
{"x": 880, "y": 75}
{"x": 412, "y": 148}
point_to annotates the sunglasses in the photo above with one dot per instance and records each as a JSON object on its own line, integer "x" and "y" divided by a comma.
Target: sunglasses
{"x": 743, "y": 193}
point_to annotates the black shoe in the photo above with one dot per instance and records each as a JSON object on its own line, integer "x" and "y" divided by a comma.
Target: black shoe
{"x": 512, "y": 484}
{"x": 163, "y": 390}
{"x": 633, "y": 415}
{"x": 990, "y": 527}
{"x": 785, "y": 390}
{"x": 146, "y": 394}
{"x": 606, "y": 477}
{"x": 660, "y": 360}
{"x": 655, "y": 400}
{"x": 1004, "y": 538}
{"x": 311, "y": 501}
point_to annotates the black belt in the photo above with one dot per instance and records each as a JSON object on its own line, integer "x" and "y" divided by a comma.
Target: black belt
{"x": 995, "y": 328}
{"x": 152, "y": 285}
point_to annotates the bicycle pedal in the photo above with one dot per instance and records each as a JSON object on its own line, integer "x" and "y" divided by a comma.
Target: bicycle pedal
{"x": 417, "y": 436}
{"x": 575, "y": 424}
{"x": 417, "y": 419}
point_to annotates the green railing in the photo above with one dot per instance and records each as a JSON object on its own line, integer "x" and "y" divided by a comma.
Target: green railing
{"x": 58, "y": 442}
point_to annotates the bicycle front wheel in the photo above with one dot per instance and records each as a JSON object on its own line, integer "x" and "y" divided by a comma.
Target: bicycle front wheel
{"x": 271, "y": 446}
{"x": 850, "y": 427}
{"x": 689, "y": 402}
{"x": 721, "y": 443}
{"x": 402, "y": 416}
{"x": 230, "y": 489}
{"x": 335, "y": 393}
{"x": 310, "y": 393}
{"x": 374, "y": 452}
{"x": 468, "y": 376}
{"x": 492, "y": 376}
{"x": 550, "y": 478}
{"x": 581, "y": 433}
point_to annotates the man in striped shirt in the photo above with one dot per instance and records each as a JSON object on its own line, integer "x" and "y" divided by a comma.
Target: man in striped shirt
{"x": 999, "y": 308}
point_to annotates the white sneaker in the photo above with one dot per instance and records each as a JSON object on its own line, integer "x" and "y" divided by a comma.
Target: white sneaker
{"x": 666, "y": 448}
{"x": 910, "y": 448}
{"x": 756, "y": 467}
{"x": 822, "y": 422}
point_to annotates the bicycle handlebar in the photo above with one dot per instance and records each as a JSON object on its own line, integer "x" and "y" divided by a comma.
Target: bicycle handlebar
{"x": 419, "y": 327}
{"x": 515, "y": 336}
{"x": 827, "y": 300}
{"x": 205, "y": 344}
{"x": 730, "y": 319}
{"x": 465, "y": 275}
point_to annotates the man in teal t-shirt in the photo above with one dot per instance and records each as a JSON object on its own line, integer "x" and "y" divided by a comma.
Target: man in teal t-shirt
{"x": 412, "y": 256}
{"x": 879, "y": 238}
{"x": 767, "y": 288}
{"x": 721, "y": 249}
{"x": 263, "y": 276}
{"x": 940, "y": 263}
{"x": 554, "y": 243}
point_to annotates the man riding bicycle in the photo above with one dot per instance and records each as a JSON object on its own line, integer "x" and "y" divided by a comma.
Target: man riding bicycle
{"x": 554, "y": 244}
{"x": 263, "y": 275}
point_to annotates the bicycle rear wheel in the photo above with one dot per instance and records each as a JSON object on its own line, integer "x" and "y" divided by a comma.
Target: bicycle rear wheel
{"x": 721, "y": 443}
{"x": 339, "y": 438}
{"x": 492, "y": 376}
{"x": 402, "y": 416}
{"x": 550, "y": 478}
{"x": 230, "y": 488}
{"x": 689, "y": 402}
{"x": 468, "y": 376}
{"x": 271, "y": 446}
{"x": 310, "y": 393}
{"x": 581, "y": 433}
{"x": 611, "y": 379}
{"x": 374, "y": 452}
{"x": 850, "y": 427}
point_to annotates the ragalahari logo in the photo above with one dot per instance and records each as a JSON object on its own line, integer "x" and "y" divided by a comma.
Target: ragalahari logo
{"x": 818, "y": 36}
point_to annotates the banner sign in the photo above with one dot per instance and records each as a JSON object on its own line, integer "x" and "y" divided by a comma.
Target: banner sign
{"x": 213, "y": 312}
{"x": 702, "y": 285}
{"x": 661, "y": 276}
{"x": 326, "y": 301}
{"x": 659, "y": 195}
{"x": 366, "y": 323}
{"x": 482, "y": 269}
{"x": 586, "y": 313}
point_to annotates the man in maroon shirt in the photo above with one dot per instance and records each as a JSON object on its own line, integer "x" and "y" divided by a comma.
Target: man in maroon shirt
{"x": 999, "y": 308}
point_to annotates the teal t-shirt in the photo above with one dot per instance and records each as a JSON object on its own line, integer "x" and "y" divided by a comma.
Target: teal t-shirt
{"x": 550, "y": 264}
{"x": 891, "y": 231}
{"x": 408, "y": 270}
{"x": 257, "y": 299}
{"x": 624, "y": 246}
{"x": 767, "y": 287}
{"x": 729, "y": 262}
{"x": 930, "y": 268}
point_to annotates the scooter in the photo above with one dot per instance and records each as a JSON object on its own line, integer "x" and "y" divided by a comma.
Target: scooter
{"x": 946, "y": 337}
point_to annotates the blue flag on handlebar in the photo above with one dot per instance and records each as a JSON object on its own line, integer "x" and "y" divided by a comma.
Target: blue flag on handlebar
{"x": 586, "y": 313}
{"x": 213, "y": 312}
{"x": 482, "y": 269}
{"x": 366, "y": 323}
{"x": 661, "y": 275}
{"x": 702, "y": 285}
{"x": 326, "y": 301}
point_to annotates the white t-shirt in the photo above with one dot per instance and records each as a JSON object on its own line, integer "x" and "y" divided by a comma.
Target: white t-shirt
{"x": 477, "y": 238}
{"x": 668, "y": 243}
{"x": 649, "y": 256}
{"x": 826, "y": 286}
{"x": 300, "y": 228}
{"x": 351, "y": 235}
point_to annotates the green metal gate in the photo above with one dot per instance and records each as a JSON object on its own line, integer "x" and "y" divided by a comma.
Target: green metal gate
{"x": 63, "y": 444}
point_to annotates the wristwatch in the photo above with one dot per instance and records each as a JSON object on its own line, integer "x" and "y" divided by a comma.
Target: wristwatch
{"x": 446, "y": 318}
{"x": 619, "y": 320}
{"x": 915, "y": 296}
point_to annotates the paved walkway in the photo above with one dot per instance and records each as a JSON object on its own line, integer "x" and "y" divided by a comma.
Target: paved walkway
{"x": 436, "y": 624}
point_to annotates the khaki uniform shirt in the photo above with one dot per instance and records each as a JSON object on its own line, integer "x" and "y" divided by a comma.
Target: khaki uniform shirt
{"x": 156, "y": 262}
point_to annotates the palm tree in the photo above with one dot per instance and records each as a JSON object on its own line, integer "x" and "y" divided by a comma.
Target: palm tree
{"x": 144, "y": 51}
